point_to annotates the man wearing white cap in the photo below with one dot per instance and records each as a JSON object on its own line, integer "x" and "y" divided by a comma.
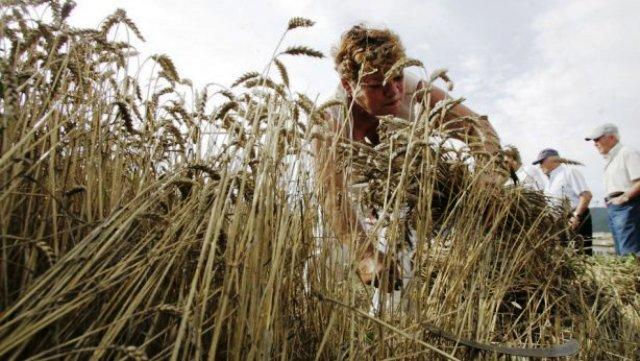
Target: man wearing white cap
{"x": 565, "y": 183}
{"x": 622, "y": 186}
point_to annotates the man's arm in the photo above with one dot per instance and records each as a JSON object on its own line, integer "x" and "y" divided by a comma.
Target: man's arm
{"x": 631, "y": 160}
{"x": 583, "y": 205}
{"x": 578, "y": 184}
{"x": 631, "y": 194}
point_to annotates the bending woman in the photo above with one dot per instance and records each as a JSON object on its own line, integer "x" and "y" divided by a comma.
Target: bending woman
{"x": 362, "y": 58}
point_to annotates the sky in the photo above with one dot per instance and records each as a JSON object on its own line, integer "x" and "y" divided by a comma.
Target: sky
{"x": 544, "y": 72}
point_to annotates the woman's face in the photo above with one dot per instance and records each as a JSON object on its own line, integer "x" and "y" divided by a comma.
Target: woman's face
{"x": 375, "y": 98}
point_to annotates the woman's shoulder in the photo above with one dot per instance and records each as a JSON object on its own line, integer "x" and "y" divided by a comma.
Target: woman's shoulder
{"x": 411, "y": 82}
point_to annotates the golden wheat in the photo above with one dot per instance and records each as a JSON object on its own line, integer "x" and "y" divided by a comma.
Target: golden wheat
{"x": 122, "y": 239}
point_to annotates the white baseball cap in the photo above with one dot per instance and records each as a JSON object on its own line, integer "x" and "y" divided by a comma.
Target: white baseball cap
{"x": 601, "y": 130}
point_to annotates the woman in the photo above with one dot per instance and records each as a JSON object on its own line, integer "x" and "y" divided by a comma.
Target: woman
{"x": 362, "y": 58}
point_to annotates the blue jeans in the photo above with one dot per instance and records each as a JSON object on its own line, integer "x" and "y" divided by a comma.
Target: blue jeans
{"x": 624, "y": 221}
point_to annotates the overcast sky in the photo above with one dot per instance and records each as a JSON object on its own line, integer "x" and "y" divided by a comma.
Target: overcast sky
{"x": 545, "y": 72}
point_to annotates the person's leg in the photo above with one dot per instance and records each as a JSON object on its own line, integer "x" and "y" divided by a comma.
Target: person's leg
{"x": 630, "y": 228}
{"x": 586, "y": 232}
{"x": 612, "y": 213}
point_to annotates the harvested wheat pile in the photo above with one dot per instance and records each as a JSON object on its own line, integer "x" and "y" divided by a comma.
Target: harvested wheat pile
{"x": 128, "y": 231}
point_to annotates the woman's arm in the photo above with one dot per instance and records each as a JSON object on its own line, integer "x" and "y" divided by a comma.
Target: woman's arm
{"x": 342, "y": 217}
{"x": 478, "y": 134}
{"x": 337, "y": 206}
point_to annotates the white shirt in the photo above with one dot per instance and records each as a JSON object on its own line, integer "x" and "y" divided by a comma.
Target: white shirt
{"x": 531, "y": 177}
{"x": 564, "y": 182}
{"x": 621, "y": 169}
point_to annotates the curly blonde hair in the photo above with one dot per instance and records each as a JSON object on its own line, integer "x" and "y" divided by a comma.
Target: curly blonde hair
{"x": 363, "y": 49}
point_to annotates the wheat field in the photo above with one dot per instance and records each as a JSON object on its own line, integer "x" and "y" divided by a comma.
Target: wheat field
{"x": 144, "y": 219}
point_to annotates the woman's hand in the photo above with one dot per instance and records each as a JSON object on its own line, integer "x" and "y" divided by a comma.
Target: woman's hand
{"x": 374, "y": 269}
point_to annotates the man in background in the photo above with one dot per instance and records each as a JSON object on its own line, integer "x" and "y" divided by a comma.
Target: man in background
{"x": 562, "y": 182}
{"x": 622, "y": 187}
